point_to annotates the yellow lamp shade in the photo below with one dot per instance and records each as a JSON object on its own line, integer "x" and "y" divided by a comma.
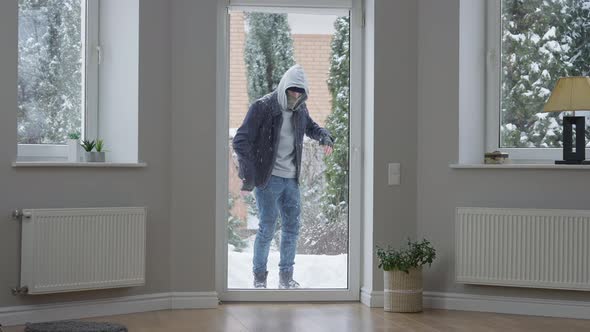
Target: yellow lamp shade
{"x": 569, "y": 94}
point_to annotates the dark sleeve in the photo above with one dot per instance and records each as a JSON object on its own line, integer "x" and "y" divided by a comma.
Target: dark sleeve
{"x": 243, "y": 145}
{"x": 314, "y": 131}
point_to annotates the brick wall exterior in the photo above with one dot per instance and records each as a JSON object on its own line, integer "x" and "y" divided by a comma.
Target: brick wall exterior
{"x": 238, "y": 85}
{"x": 312, "y": 52}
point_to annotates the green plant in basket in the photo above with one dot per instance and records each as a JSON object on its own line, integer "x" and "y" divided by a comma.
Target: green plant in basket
{"x": 416, "y": 254}
{"x": 88, "y": 145}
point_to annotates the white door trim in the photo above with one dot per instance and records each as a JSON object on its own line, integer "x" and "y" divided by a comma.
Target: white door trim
{"x": 496, "y": 304}
{"x": 355, "y": 185}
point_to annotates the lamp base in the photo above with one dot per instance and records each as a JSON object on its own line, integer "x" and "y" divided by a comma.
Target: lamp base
{"x": 572, "y": 162}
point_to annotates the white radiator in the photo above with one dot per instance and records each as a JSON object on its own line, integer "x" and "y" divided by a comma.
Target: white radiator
{"x": 523, "y": 248}
{"x": 67, "y": 250}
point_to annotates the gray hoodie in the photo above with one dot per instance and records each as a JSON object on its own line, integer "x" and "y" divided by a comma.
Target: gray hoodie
{"x": 285, "y": 163}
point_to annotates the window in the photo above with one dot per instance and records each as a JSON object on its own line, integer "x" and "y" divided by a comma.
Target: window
{"x": 530, "y": 45}
{"x": 57, "y": 74}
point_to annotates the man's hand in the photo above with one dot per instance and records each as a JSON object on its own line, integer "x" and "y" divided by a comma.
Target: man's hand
{"x": 328, "y": 150}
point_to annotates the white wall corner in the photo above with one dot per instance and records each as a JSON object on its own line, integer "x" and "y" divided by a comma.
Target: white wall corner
{"x": 472, "y": 81}
{"x": 368, "y": 145}
{"x": 19, "y": 315}
{"x": 118, "y": 92}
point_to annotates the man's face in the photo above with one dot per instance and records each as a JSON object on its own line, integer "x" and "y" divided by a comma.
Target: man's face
{"x": 293, "y": 94}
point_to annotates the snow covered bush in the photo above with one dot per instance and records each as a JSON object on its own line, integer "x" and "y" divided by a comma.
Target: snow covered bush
{"x": 49, "y": 70}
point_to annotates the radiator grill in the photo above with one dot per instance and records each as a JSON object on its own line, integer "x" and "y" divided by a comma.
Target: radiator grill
{"x": 523, "y": 247}
{"x": 81, "y": 249}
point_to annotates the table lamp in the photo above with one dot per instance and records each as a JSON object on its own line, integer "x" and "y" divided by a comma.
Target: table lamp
{"x": 571, "y": 94}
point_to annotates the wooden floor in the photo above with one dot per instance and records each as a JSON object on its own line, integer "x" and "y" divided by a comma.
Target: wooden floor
{"x": 332, "y": 318}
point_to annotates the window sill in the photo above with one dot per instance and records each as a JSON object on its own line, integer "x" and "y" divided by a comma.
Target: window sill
{"x": 18, "y": 164}
{"x": 519, "y": 166}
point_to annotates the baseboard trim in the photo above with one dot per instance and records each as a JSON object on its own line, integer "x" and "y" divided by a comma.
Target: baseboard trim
{"x": 200, "y": 300}
{"x": 496, "y": 304}
{"x": 19, "y": 315}
{"x": 508, "y": 305}
{"x": 371, "y": 299}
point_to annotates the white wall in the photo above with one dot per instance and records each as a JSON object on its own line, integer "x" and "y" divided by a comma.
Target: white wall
{"x": 194, "y": 47}
{"x": 472, "y": 73}
{"x": 70, "y": 187}
{"x": 118, "y": 79}
{"x": 441, "y": 189}
{"x": 395, "y": 129}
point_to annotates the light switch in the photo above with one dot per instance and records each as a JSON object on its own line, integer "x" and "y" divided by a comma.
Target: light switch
{"x": 394, "y": 174}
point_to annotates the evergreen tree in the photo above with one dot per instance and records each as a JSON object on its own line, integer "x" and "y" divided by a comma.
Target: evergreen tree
{"x": 533, "y": 51}
{"x": 542, "y": 41}
{"x": 577, "y": 35}
{"x": 50, "y": 70}
{"x": 335, "y": 198}
{"x": 268, "y": 52}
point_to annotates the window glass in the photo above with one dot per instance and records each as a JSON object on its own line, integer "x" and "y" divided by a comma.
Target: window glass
{"x": 50, "y": 70}
{"x": 542, "y": 40}
{"x": 306, "y": 231}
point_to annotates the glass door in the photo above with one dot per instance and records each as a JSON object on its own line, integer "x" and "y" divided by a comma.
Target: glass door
{"x": 288, "y": 214}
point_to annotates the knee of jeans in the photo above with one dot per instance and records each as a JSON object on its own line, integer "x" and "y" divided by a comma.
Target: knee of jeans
{"x": 292, "y": 213}
{"x": 265, "y": 231}
{"x": 290, "y": 228}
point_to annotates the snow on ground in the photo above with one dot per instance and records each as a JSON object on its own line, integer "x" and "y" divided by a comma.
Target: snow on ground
{"x": 311, "y": 271}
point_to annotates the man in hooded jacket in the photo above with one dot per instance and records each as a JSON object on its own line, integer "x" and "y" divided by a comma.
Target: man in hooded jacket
{"x": 269, "y": 147}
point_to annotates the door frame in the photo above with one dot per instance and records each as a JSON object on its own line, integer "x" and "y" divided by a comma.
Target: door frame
{"x": 352, "y": 293}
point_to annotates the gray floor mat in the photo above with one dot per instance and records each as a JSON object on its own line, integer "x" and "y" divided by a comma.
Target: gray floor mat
{"x": 74, "y": 326}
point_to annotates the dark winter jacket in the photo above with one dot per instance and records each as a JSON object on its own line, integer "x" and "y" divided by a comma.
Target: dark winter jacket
{"x": 256, "y": 141}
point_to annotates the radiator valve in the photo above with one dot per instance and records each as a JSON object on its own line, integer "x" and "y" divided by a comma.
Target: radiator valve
{"x": 16, "y": 291}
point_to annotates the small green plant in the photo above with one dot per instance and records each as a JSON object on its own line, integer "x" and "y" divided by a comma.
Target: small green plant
{"x": 99, "y": 145}
{"x": 88, "y": 145}
{"x": 415, "y": 255}
{"x": 74, "y": 135}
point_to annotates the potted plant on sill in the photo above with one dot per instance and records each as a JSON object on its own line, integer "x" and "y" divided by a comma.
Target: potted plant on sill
{"x": 403, "y": 275}
{"x": 94, "y": 156}
{"x": 73, "y": 143}
{"x": 100, "y": 151}
{"x": 88, "y": 146}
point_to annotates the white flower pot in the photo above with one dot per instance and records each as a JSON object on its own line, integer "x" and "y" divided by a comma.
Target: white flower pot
{"x": 94, "y": 156}
{"x": 99, "y": 156}
{"x": 89, "y": 156}
{"x": 74, "y": 149}
{"x": 403, "y": 291}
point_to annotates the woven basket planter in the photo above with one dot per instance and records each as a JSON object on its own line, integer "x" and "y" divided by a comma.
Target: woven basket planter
{"x": 403, "y": 291}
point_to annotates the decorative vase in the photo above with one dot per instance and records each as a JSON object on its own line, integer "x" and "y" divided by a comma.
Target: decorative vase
{"x": 403, "y": 291}
{"x": 73, "y": 150}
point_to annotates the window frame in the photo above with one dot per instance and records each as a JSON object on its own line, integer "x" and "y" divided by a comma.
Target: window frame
{"x": 91, "y": 61}
{"x": 493, "y": 94}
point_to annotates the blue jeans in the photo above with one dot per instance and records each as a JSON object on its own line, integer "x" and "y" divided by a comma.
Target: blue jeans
{"x": 279, "y": 195}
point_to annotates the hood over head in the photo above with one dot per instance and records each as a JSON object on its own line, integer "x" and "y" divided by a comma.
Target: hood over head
{"x": 293, "y": 78}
